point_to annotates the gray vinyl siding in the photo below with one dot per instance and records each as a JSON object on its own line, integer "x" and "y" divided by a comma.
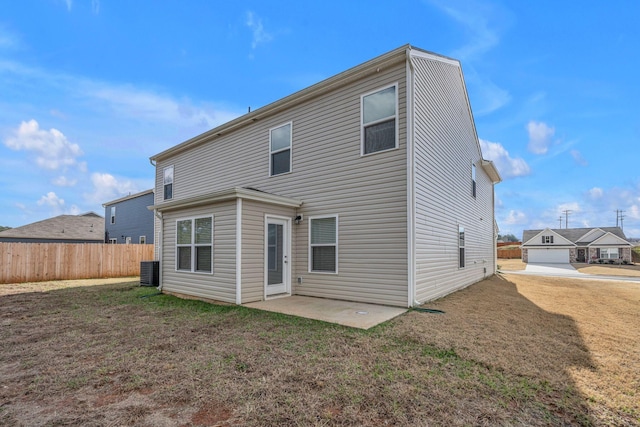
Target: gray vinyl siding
{"x": 331, "y": 177}
{"x": 221, "y": 285}
{"x": 253, "y": 257}
{"x": 133, "y": 219}
{"x": 445, "y": 147}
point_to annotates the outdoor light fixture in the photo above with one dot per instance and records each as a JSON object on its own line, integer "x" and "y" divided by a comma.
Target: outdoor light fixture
{"x": 298, "y": 219}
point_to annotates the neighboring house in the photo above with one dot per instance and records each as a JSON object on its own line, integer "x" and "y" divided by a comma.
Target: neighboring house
{"x": 369, "y": 186}
{"x": 127, "y": 219}
{"x": 566, "y": 245}
{"x": 85, "y": 228}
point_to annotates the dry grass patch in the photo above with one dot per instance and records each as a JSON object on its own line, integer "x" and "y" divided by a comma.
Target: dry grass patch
{"x": 609, "y": 269}
{"x": 508, "y": 351}
{"x": 511, "y": 264}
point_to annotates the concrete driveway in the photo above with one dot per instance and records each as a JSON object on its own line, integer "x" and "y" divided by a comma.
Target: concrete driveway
{"x": 552, "y": 269}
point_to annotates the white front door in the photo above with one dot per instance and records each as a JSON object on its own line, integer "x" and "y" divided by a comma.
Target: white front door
{"x": 277, "y": 255}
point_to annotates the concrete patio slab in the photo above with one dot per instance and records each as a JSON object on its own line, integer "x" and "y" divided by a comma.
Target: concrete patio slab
{"x": 347, "y": 313}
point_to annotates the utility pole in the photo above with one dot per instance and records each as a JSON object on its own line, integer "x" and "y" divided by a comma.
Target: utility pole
{"x": 619, "y": 217}
{"x": 566, "y": 217}
{"x": 560, "y": 224}
{"x": 622, "y": 220}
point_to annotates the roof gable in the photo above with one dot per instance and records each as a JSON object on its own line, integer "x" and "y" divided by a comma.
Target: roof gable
{"x": 592, "y": 235}
{"x": 536, "y": 239}
{"x": 610, "y": 239}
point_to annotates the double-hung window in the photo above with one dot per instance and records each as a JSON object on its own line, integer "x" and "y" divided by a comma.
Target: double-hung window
{"x": 609, "y": 253}
{"x": 113, "y": 214}
{"x": 280, "y": 149}
{"x": 194, "y": 244}
{"x": 168, "y": 182}
{"x": 547, "y": 239}
{"x": 323, "y": 244}
{"x": 461, "y": 245}
{"x": 379, "y": 127}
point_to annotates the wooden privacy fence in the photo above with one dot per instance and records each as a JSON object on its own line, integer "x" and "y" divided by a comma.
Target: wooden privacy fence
{"x": 509, "y": 253}
{"x": 37, "y": 262}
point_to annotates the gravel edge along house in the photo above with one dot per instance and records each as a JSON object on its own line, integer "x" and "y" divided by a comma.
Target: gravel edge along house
{"x": 369, "y": 186}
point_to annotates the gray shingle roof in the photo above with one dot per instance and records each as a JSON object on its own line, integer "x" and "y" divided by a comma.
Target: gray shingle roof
{"x": 87, "y": 227}
{"x": 573, "y": 234}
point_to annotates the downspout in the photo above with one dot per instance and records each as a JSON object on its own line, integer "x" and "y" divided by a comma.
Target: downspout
{"x": 159, "y": 246}
{"x": 411, "y": 205}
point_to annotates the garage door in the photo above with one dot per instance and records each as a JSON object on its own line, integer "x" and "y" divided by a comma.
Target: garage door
{"x": 550, "y": 256}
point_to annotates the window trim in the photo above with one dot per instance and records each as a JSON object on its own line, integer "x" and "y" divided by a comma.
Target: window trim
{"x": 113, "y": 215}
{"x": 311, "y": 246}
{"x": 608, "y": 252}
{"x": 113, "y": 240}
{"x": 142, "y": 240}
{"x": 290, "y": 148}
{"x": 462, "y": 245}
{"x": 547, "y": 239}
{"x": 164, "y": 183}
{"x": 193, "y": 245}
{"x": 395, "y": 117}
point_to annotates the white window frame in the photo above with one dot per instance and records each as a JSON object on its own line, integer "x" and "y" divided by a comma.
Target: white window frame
{"x": 113, "y": 215}
{"x": 142, "y": 240}
{"x": 547, "y": 240}
{"x": 165, "y": 183}
{"x": 462, "y": 238}
{"x": 290, "y": 148}
{"x": 363, "y": 125}
{"x": 607, "y": 251}
{"x": 311, "y": 246}
{"x": 113, "y": 241}
{"x": 193, "y": 245}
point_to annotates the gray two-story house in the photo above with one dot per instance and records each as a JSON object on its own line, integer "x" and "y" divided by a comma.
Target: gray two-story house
{"x": 369, "y": 186}
{"x": 128, "y": 219}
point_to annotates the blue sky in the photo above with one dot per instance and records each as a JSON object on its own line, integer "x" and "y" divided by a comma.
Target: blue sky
{"x": 90, "y": 89}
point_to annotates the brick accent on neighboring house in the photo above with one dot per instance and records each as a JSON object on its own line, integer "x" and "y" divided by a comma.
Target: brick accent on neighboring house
{"x": 573, "y": 255}
{"x": 525, "y": 255}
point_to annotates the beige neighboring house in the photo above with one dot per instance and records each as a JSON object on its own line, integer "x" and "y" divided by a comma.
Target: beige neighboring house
{"x": 85, "y": 228}
{"x": 369, "y": 186}
{"x": 565, "y": 245}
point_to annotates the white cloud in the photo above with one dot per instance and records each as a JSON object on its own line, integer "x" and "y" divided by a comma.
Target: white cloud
{"x": 69, "y": 4}
{"x": 107, "y": 187}
{"x": 540, "y": 137}
{"x": 254, "y": 22}
{"x": 596, "y": 193}
{"x": 578, "y": 158}
{"x": 515, "y": 217}
{"x": 53, "y": 150}
{"x": 508, "y": 166}
{"x": 63, "y": 181}
{"x": 52, "y": 200}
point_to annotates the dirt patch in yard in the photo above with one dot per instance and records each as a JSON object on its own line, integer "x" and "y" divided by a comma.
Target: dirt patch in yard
{"x": 511, "y": 350}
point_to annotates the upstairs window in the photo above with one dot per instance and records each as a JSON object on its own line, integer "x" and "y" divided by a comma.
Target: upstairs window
{"x": 113, "y": 214}
{"x": 461, "y": 244}
{"x": 547, "y": 239}
{"x": 168, "y": 183}
{"x": 473, "y": 180}
{"x": 194, "y": 245}
{"x": 280, "y": 149}
{"x": 379, "y": 120}
{"x": 323, "y": 242}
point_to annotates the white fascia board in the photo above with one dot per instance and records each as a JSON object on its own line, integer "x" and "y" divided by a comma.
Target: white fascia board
{"x": 226, "y": 195}
{"x": 490, "y": 168}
